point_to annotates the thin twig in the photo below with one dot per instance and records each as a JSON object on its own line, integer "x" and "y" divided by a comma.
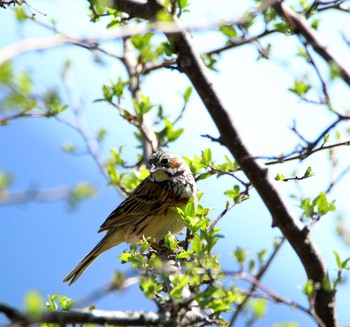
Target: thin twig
{"x": 237, "y": 43}
{"x": 258, "y": 277}
{"x": 300, "y": 156}
{"x": 278, "y": 298}
{"x": 34, "y": 194}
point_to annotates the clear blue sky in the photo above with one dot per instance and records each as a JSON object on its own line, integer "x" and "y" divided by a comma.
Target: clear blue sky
{"x": 42, "y": 242}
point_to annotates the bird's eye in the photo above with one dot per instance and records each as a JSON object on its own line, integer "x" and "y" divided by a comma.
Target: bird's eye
{"x": 164, "y": 161}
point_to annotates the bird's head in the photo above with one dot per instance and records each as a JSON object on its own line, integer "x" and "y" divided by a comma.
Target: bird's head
{"x": 165, "y": 165}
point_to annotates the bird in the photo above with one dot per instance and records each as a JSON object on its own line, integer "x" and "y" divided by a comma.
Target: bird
{"x": 149, "y": 210}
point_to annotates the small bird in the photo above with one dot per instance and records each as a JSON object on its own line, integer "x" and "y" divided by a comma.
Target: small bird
{"x": 147, "y": 211}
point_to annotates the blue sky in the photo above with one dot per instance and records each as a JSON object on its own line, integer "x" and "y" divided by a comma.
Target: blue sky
{"x": 42, "y": 242}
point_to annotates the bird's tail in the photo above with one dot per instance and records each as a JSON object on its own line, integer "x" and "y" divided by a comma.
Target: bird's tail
{"x": 109, "y": 240}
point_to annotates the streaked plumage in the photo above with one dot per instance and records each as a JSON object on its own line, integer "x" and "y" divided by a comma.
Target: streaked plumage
{"x": 146, "y": 212}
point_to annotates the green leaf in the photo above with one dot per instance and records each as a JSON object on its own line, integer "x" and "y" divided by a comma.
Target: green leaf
{"x": 300, "y": 88}
{"x": 228, "y": 31}
{"x": 206, "y": 157}
{"x": 65, "y": 302}
{"x": 259, "y": 308}
{"x": 20, "y": 14}
{"x": 240, "y": 255}
{"x": 150, "y": 287}
{"x": 140, "y": 41}
{"x": 118, "y": 88}
{"x": 197, "y": 244}
{"x": 5, "y": 180}
{"x": 51, "y": 304}
{"x": 101, "y": 133}
{"x": 209, "y": 61}
{"x": 344, "y": 264}
{"x": 183, "y": 3}
{"x": 280, "y": 177}
{"x": 124, "y": 257}
{"x": 163, "y": 16}
{"x": 33, "y": 303}
{"x": 323, "y": 206}
{"x": 83, "y": 190}
{"x": 187, "y": 94}
{"x": 337, "y": 259}
{"x": 184, "y": 255}
{"x": 234, "y": 193}
{"x": 6, "y": 72}
{"x": 262, "y": 256}
{"x": 308, "y": 172}
{"x": 170, "y": 241}
{"x": 309, "y": 288}
{"x": 190, "y": 209}
{"x": 307, "y": 206}
{"x": 315, "y": 23}
{"x": 334, "y": 70}
{"x": 113, "y": 174}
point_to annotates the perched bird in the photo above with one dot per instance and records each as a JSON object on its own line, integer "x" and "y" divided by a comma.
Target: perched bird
{"x": 147, "y": 211}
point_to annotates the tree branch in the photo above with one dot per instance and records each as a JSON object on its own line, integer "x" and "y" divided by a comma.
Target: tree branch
{"x": 191, "y": 64}
{"x": 300, "y": 26}
{"x": 252, "y": 289}
{"x": 236, "y": 43}
{"x": 33, "y": 194}
{"x": 149, "y": 139}
{"x": 99, "y": 317}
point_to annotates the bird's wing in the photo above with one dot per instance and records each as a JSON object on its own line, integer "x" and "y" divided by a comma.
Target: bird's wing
{"x": 148, "y": 198}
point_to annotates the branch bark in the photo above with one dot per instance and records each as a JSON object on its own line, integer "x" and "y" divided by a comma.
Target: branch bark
{"x": 191, "y": 64}
{"x": 149, "y": 138}
{"x": 98, "y": 317}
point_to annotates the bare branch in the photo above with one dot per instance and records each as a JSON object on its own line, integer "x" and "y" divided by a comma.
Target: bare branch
{"x": 4, "y": 120}
{"x": 258, "y": 277}
{"x": 236, "y": 43}
{"x": 149, "y": 139}
{"x": 34, "y": 194}
{"x": 99, "y": 317}
{"x": 279, "y": 298}
{"x": 301, "y": 156}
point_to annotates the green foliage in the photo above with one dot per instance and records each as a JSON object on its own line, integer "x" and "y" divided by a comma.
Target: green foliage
{"x": 187, "y": 94}
{"x": 309, "y": 288}
{"x": 20, "y": 14}
{"x": 57, "y": 302}
{"x": 200, "y": 268}
{"x": 286, "y": 324}
{"x": 6, "y": 179}
{"x": 80, "y": 192}
{"x": 300, "y": 88}
{"x": 204, "y": 166}
{"x": 342, "y": 265}
{"x": 228, "y": 31}
{"x": 240, "y": 255}
{"x": 169, "y": 133}
{"x": 235, "y": 194}
{"x": 334, "y": 70}
{"x": 210, "y": 61}
{"x": 33, "y": 303}
{"x": 18, "y": 96}
{"x": 258, "y": 307}
{"x": 319, "y": 206}
{"x": 308, "y": 173}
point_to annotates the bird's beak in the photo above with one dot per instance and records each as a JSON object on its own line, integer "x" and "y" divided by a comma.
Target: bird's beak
{"x": 158, "y": 174}
{"x": 153, "y": 169}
